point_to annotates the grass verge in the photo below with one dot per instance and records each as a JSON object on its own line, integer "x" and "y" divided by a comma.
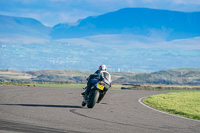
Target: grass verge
{"x": 116, "y": 87}
{"x": 169, "y": 88}
{"x": 64, "y": 85}
{"x": 186, "y": 104}
{"x": 60, "y": 85}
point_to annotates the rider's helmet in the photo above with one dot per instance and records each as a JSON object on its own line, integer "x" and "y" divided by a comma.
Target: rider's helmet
{"x": 103, "y": 67}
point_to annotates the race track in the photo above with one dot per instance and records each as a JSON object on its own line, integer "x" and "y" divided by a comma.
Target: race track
{"x": 58, "y": 110}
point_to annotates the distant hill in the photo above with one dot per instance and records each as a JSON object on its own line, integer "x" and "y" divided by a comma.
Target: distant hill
{"x": 173, "y": 76}
{"x": 139, "y": 21}
{"x": 169, "y": 77}
{"x": 22, "y": 26}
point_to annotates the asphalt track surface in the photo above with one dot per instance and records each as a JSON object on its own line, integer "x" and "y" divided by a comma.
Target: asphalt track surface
{"x": 58, "y": 110}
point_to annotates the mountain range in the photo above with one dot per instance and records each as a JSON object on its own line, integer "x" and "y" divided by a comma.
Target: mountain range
{"x": 139, "y": 21}
{"x": 130, "y": 39}
{"x": 23, "y": 26}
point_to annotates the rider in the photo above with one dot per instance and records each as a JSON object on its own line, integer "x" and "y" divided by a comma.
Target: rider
{"x": 101, "y": 75}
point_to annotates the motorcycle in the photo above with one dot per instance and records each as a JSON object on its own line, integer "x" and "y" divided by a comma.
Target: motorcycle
{"x": 95, "y": 95}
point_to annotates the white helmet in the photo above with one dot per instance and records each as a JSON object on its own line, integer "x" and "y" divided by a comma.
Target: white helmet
{"x": 103, "y": 67}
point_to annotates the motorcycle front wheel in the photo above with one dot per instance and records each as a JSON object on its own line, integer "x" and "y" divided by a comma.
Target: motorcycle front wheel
{"x": 93, "y": 99}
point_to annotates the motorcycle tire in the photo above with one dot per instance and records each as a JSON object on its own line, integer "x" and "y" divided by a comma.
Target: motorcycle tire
{"x": 93, "y": 99}
{"x": 101, "y": 96}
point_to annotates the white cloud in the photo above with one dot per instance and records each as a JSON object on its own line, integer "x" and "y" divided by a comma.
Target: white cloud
{"x": 185, "y": 2}
{"x": 26, "y": 1}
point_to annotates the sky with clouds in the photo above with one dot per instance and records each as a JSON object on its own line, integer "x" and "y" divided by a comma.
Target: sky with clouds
{"x": 52, "y": 12}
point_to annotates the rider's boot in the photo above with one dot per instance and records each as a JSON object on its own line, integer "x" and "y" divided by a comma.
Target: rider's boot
{"x": 83, "y": 93}
{"x": 84, "y": 99}
{"x": 83, "y": 103}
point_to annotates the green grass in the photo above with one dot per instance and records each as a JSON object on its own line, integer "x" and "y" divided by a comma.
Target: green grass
{"x": 12, "y": 83}
{"x": 65, "y": 85}
{"x": 60, "y": 85}
{"x": 168, "y": 88}
{"x": 182, "y": 90}
{"x": 186, "y": 104}
{"x": 44, "y": 84}
{"x": 116, "y": 87}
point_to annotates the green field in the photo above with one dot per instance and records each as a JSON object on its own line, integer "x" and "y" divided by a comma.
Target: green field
{"x": 60, "y": 85}
{"x": 118, "y": 87}
{"x": 162, "y": 87}
{"x": 115, "y": 86}
{"x": 151, "y": 87}
{"x": 186, "y": 104}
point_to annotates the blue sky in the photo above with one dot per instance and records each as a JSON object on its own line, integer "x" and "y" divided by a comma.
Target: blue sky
{"x": 52, "y": 12}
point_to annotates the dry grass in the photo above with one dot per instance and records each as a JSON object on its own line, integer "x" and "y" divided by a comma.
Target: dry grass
{"x": 162, "y": 87}
{"x": 15, "y": 75}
